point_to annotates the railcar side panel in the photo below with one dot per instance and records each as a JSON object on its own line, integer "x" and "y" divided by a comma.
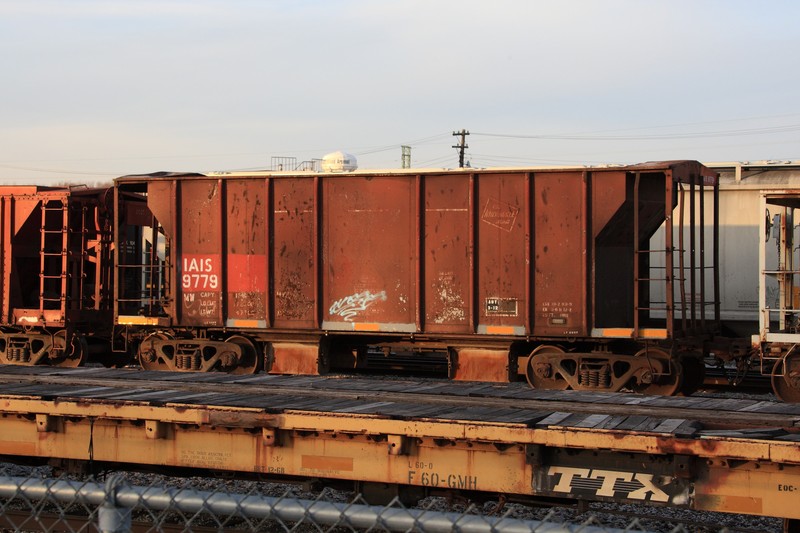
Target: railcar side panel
{"x": 246, "y": 228}
{"x": 560, "y": 254}
{"x": 20, "y": 250}
{"x": 200, "y": 252}
{"x": 294, "y": 252}
{"x": 448, "y": 258}
{"x": 502, "y": 254}
{"x": 369, "y": 242}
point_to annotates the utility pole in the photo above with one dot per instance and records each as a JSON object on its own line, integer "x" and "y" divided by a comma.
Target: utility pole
{"x": 405, "y": 161}
{"x": 462, "y": 146}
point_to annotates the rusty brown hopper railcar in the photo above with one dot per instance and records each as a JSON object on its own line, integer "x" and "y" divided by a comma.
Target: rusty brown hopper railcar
{"x": 56, "y": 273}
{"x": 572, "y": 277}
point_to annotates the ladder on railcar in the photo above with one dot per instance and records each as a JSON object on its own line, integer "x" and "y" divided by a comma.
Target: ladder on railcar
{"x": 696, "y": 309}
{"x": 143, "y": 269}
{"x": 53, "y": 252}
{"x": 63, "y": 254}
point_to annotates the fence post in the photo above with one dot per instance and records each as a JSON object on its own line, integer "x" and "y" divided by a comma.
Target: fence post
{"x": 111, "y": 517}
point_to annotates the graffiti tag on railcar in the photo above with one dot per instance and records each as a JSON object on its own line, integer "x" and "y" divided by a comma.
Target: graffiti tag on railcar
{"x": 350, "y": 306}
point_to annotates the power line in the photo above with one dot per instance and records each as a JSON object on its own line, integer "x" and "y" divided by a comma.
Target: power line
{"x": 386, "y": 148}
{"x": 433, "y": 161}
{"x": 61, "y": 171}
{"x": 139, "y": 158}
{"x": 702, "y": 123}
{"x": 789, "y": 128}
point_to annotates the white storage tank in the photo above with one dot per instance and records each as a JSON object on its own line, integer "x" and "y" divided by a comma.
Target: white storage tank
{"x": 339, "y": 162}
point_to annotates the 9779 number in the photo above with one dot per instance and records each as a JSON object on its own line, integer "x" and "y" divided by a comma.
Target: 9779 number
{"x": 200, "y": 281}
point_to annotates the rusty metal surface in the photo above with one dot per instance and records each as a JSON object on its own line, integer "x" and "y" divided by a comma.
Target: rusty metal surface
{"x": 493, "y": 253}
{"x": 22, "y": 226}
{"x": 502, "y": 268}
{"x": 560, "y": 254}
{"x": 437, "y": 260}
{"x": 295, "y": 253}
{"x": 449, "y": 262}
{"x": 475, "y": 364}
{"x": 368, "y": 437}
{"x": 246, "y": 263}
{"x": 369, "y": 246}
{"x": 56, "y": 272}
{"x": 293, "y": 358}
{"x": 200, "y": 244}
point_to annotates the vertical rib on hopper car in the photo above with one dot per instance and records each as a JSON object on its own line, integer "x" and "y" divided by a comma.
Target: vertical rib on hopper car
{"x": 589, "y": 278}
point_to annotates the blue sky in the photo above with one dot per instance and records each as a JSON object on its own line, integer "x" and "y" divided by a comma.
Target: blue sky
{"x": 93, "y": 89}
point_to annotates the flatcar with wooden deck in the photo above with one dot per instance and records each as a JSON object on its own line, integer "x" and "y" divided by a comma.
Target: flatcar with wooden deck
{"x": 412, "y": 439}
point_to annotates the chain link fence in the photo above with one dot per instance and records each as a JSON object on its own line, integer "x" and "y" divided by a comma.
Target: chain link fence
{"x": 35, "y": 500}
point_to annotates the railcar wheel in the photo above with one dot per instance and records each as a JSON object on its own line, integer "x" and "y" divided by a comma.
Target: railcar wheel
{"x": 540, "y": 372}
{"x": 248, "y": 364}
{"x": 786, "y": 378}
{"x": 70, "y": 354}
{"x": 663, "y": 375}
{"x": 694, "y": 375}
{"x": 148, "y": 355}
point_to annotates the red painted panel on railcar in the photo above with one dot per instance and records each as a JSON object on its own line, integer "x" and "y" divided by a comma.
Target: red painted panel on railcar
{"x": 448, "y": 256}
{"x": 246, "y": 256}
{"x": 247, "y": 287}
{"x": 502, "y": 253}
{"x": 559, "y": 260}
{"x": 199, "y": 244}
{"x": 370, "y": 253}
{"x": 294, "y": 252}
